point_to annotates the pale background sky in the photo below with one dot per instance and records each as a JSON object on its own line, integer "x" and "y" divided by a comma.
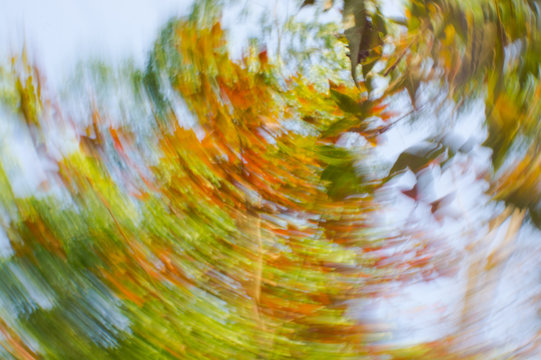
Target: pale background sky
{"x": 60, "y": 32}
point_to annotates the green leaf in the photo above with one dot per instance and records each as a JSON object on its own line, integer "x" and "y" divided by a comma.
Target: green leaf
{"x": 343, "y": 180}
{"x": 417, "y": 157}
{"x": 354, "y": 21}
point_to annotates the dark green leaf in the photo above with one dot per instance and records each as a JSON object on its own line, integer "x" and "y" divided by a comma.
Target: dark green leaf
{"x": 417, "y": 157}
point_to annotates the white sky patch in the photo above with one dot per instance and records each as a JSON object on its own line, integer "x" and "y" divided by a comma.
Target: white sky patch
{"x": 5, "y": 246}
{"x": 61, "y": 32}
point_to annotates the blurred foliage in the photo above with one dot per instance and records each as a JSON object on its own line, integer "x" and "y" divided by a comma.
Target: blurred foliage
{"x": 209, "y": 208}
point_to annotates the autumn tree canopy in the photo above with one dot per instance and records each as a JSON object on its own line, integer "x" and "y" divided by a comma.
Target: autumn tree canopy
{"x": 207, "y": 206}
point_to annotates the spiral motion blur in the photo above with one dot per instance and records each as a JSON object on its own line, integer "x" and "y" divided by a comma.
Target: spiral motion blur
{"x": 346, "y": 180}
